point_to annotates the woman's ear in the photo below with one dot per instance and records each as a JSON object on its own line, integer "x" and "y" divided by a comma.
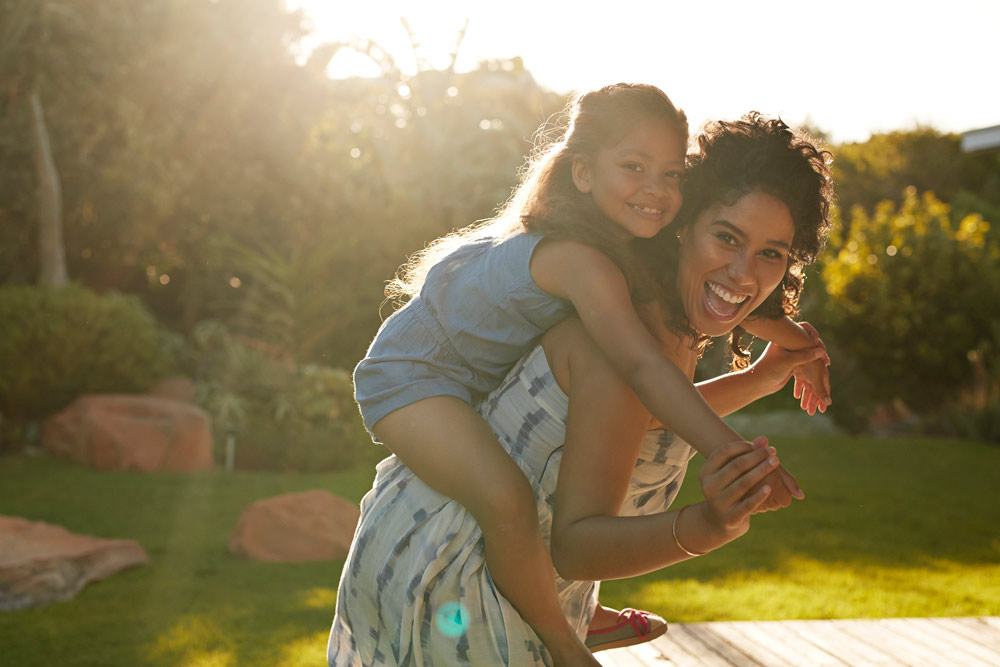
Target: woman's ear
{"x": 581, "y": 174}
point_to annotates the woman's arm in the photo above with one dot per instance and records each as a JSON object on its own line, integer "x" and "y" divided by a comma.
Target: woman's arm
{"x": 605, "y": 427}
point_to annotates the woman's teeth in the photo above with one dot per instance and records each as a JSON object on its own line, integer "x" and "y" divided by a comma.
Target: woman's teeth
{"x": 725, "y": 295}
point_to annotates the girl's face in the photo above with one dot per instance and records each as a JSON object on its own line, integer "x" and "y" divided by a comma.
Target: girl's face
{"x": 731, "y": 259}
{"x": 636, "y": 181}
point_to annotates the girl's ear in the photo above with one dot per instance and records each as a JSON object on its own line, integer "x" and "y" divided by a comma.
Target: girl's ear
{"x": 581, "y": 175}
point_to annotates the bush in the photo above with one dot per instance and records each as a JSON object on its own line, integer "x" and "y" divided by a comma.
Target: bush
{"x": 59, "y": 343}
{"x": 283, "y": 416}
{"x": 911, "y": 300}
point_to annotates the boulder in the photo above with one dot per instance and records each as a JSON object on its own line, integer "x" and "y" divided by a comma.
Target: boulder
{"x": 42, "y": 563}
{"x": 131, "y": 432}
{"x": 295, "y": 528}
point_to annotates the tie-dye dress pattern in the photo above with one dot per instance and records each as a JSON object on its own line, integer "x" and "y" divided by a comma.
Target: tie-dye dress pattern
{"x": 415, "y": 589}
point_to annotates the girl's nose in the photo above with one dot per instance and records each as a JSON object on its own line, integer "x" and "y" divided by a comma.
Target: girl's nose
{"x": 655, "y": 184}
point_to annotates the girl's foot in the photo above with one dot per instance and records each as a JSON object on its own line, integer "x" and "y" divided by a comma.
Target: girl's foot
{"x": 613, "y": 629}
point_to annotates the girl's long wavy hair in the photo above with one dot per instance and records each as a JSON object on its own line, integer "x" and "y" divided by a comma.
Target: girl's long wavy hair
{"x": 733, "y": 159}
{"x": 547, "y": 201}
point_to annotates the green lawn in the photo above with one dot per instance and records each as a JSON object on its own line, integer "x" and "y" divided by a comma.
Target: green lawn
{"x": 898, "y": 527}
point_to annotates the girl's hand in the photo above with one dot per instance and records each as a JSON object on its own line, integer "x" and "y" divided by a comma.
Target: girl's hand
{"x": 728, "y": 480}
{"x": 777, "y": 365}
{"x": 812, "y": 380}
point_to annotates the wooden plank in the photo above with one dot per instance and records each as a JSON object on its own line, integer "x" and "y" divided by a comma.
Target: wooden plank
{"x": 708, "y": 634}
{"x": 617, "y": 657}
{"x": 753, "y": 643}
{"x": 794, "y": 648}
{"x": 650, "y": 654}
{"x": 875, "y": 632}
{"x": 974, "y": 630}
{"x": 916, "y": 642}
{"x": 831, "y": 638}
{"x": 945, "y": 644}
{"x": 686, "y": 648}
{"x": 992, "y": 621}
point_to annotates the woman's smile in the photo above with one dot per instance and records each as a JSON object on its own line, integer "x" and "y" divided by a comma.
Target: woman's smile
{"x": 723, "y": 302}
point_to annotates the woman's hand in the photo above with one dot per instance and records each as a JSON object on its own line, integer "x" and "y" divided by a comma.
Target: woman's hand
{"x": 728, "y": 478}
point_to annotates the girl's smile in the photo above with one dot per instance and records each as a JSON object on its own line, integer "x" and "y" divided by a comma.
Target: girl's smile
{"x": 732, "y": 258}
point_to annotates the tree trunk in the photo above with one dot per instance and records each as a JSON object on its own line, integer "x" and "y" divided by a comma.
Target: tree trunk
{"x": 52, "y": 262}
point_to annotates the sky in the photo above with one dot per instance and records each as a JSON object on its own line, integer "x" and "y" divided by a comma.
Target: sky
{"x": 847, "y": 67}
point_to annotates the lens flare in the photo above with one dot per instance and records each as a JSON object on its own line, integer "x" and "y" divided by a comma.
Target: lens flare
{"x": 452, "y": 619}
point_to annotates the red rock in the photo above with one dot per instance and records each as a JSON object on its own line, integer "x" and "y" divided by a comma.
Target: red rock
{"x": 131, "y": 432}
{"x": 42, "y": 563}
{"x": 295, "y": 528}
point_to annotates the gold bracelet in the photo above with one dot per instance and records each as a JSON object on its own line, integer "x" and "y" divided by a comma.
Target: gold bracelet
{"x": 673, "y": 531}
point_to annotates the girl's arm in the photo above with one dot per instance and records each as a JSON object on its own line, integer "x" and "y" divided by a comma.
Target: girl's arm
{"x": 596, "y": 287}
{"x": 812, "y": 381}
{"x": 605, "y": 428}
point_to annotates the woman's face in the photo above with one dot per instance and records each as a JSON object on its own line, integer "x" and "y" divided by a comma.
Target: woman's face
{"x": 731, "y": 259}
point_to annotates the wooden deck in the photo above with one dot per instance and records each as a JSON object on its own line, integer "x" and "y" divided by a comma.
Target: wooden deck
{"x": 916, "y": 642}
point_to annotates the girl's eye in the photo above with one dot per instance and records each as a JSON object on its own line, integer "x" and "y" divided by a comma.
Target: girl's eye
{"x": 675, "y": 175}
{"x": 633, "y": 166}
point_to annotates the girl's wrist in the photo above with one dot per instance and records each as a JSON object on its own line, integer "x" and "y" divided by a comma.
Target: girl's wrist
{"x": 694, "y": 532}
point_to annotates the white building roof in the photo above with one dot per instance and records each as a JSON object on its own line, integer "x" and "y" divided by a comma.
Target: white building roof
{"x": 988, "y": 138}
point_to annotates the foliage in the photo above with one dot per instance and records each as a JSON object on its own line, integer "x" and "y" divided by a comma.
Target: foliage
{"x": 284, "y": 416}
{"x": 974, "y": 411}
{"x": 881, "y": 168}
{"x": 187, "y": 131}
{"x": 911, "y": 295}
{"x": 57, "y": 344}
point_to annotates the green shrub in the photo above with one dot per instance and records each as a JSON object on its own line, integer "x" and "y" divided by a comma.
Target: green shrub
{"x": 911, "y": 299}
{"x": 283, "y": 416}
{"x": 59, "y": 343}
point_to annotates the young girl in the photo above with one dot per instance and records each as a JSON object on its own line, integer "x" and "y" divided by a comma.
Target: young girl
{"x": 480, "y": 299}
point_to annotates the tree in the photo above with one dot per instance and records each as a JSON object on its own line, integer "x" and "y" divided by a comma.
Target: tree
{"x": 26, "y": 39}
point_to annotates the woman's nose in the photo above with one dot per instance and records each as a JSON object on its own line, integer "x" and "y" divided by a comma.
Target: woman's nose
{"x": 741, "y": 268}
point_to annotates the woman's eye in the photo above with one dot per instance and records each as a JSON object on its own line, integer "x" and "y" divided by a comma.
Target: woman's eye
{"x": 633, "y": 166}
{"x": 675, "y": 175}
{"x": 726, "y": 237}
{"x": 771, "y": 253}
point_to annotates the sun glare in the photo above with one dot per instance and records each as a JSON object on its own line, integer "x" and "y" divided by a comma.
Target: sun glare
{"x": 414, "y": 36}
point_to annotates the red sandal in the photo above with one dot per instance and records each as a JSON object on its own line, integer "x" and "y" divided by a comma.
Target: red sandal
{"x": 634, "y": 626}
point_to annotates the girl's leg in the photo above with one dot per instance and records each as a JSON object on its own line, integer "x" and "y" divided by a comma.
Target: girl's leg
{"x": 450, "y": 447}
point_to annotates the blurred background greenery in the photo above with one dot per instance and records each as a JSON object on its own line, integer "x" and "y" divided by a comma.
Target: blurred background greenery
{"x": 226, "y": 213}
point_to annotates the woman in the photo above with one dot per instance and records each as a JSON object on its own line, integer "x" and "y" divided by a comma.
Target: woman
{"x": 415, "y": 589}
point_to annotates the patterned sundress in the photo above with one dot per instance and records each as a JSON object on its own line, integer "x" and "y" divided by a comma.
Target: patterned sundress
{"x": 415, "y": 589}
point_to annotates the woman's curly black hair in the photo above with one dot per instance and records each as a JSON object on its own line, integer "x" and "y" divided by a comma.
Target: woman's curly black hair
{"x": 735, "y": 158}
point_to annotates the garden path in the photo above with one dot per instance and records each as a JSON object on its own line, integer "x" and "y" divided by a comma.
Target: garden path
{"x": 913, "y": 642}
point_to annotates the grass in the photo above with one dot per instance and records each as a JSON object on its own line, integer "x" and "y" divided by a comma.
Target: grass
{"x": 896, "y": 527}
